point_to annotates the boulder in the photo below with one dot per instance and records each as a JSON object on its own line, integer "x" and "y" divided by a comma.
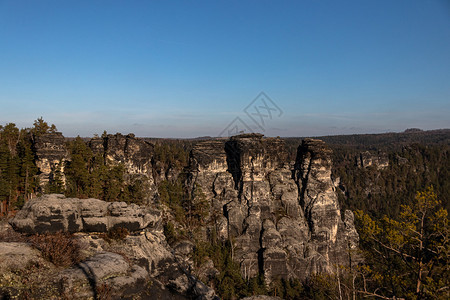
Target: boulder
{"x": 14, "y": 255}
{"x": 54, "y": 212}
{"x": 103, "y": 274}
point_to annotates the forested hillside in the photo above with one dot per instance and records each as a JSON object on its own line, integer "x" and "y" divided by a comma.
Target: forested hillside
{"x": 411, "y": 161}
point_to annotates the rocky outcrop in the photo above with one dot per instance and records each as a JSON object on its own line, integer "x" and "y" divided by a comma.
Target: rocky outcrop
{"x": 141, "y": 265}
{"x": 107, "y": 270}
{"x": 331, "y": 237}
{"x": 283, "y": 216}
{"x": 366, "y": 159}
{"x": 136, "y": 155}
{"x": 51, "y": 154}
{"x": 53, "y": 213}
{"x": 17, "y": 255}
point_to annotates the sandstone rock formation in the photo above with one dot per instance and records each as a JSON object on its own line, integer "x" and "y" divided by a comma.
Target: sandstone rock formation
{"x": 136, "y": 155}
{"x": 53, "y": 213}
{"x": 283, "y": 216}
{"x": 17, "y": 255}
{"x": 365, "y": 159}
{"x": 142, "y": 263}
{"x": 51, "y": 155}
{"x": 105, "y": 269}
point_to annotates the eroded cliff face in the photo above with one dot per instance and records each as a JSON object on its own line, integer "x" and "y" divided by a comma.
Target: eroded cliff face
{"x": 366, "y": 159}
{"x": 51, "y": 155}
{"x": 136, "y": 155}
{"x": 283, "y": 217}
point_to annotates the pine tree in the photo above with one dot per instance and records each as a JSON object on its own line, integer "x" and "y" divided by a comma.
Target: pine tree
{"x": 408, "y": 257}
{"x": 77, "y": 169}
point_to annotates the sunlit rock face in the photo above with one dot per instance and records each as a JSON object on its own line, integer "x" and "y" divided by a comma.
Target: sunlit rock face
{"x": 317, "y": 191}
{"x": 51, "y": 155}
{"x": 136, "y": 156}
{"x": 126, "y": 266}
{"x": 54, "y": 212}
{"x": 331, "y": 237}
{"x": 283, "y": 216}
{"x": 366, "y": 159}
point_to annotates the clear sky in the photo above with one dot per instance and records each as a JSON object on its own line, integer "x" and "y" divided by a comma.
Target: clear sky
{"x": 189, "y": 68}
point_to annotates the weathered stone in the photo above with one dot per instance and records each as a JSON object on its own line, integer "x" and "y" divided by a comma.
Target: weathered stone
{"x": 53, "y": 213}
{"x": 15, "y": 255}
{"x": 284, "y": 218}
{"x": 51, "y": 156}
{"x": 275, "y": 264}
{"x": 184, "y": 247}
{"x": 352, "y": 235}
{"x": 104, "y": 268}
{"x": 136, "y": 155}
{"x": 207, "y": 271}
{"x": 366, "y": 159}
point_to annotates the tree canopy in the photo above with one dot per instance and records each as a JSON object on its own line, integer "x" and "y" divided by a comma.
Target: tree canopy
{"x": 407, "y": 257}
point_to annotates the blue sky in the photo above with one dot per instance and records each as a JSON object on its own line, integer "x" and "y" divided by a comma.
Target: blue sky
{"x": 189, "y": 68}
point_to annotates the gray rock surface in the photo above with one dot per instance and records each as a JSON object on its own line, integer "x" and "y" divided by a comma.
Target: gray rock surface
{"x": 149, "y": 251}
{"x": 366, "y": 159}
{"x": 135, "y": 154}
{"x": 14, "y": 255}
{"x": 54, "y": 212}
{"x": 51, "y": 156}
{"x": 106, "y": 269}
{"x": 283, "y": 216}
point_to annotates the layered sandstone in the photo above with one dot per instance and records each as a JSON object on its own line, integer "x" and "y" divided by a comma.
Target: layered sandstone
{"x": 283, "y": 217}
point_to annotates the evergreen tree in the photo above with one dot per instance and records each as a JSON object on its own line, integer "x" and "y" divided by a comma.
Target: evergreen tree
{"x": 77, "y": 169}
{"x": 27, "y": 168}
{"x": 41, "y": 127}
{"x": 408, "y": 257}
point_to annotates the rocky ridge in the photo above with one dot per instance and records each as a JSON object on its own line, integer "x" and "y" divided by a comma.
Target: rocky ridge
{"x": 283, "y": 216}
{"x": 366, "y": 159}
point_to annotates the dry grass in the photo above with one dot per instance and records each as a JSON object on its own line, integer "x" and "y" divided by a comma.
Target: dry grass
{"x": 103, "y": 291}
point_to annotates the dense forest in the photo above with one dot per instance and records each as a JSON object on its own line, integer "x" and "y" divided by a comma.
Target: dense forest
{"x": 396, "y": 183}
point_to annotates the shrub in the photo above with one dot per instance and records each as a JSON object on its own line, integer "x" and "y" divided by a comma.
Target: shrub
{"x": 103, "y": 291}
{"x": 116, "y": 234}
{"x": 60, "y": 248}
{"x": 170, "y": 233}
